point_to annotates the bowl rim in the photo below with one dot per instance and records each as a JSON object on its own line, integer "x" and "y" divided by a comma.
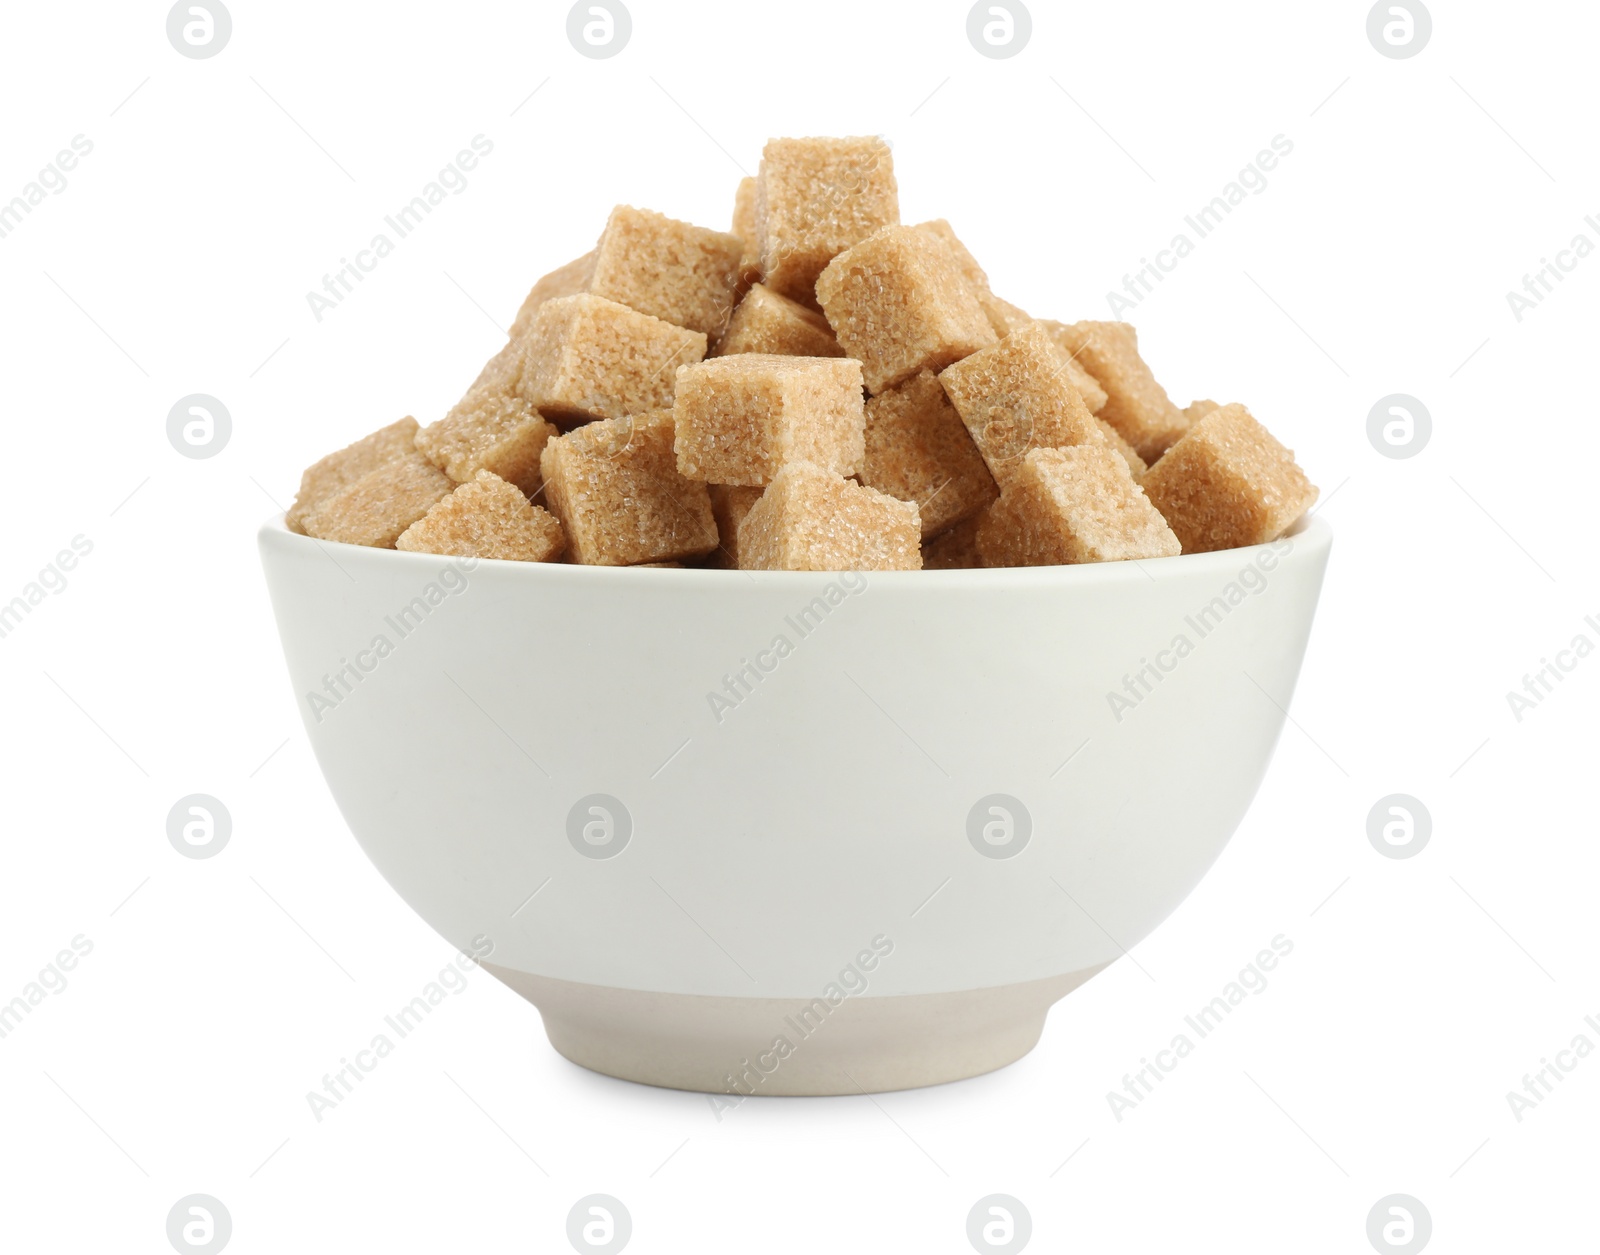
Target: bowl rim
{"x": 1312, "y": 535}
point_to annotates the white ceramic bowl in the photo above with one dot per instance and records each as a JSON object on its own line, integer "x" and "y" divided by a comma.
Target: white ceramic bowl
{"x": 788, "y": 833}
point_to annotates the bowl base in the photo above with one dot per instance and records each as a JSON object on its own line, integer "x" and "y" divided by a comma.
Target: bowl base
{"x": 750, "y": 1047}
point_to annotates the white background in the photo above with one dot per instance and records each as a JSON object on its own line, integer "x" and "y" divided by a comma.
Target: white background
{"x": 177, "y": 260}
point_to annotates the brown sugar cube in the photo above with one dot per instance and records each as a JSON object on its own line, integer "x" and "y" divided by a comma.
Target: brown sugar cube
{"x": 1228, "y": 483}
{"x": 381, "y": 504}
{"x": 814, "y": 199}
{"x": 955, "y": 549}
{"x": 897, "y": 302}
{"x": 506, "y": 364}
{"x": 765, "y": 322}
{"x": 739, "y": 419}
{"x": 744, "y": 210}
{"x": 1094, "y": 396}
{"x": 487, "y": 518}
{"x": 616, "y": 489}
{"x": 569, "y": 280}
{"x": 1196, "y": 410}
{"x": 729, "y": 505}
{"x": 1130, "y": 455}
{"x": 1015, "y": 396}
{"x": 1136, "y": 404}
{"x": 492, "y": 428}
{"x": 1003, "y": 316}
{"x": 671, "y": 270}
{"x": 1075, "y": 504}
{"x": 587, "y": 357}
{"x": 489, "y": 431}
{"x": 810, "y": 519}
{"x": 744, "y": 226}
{"x": 918, "y": 449}
{"x": 328, "y": 478}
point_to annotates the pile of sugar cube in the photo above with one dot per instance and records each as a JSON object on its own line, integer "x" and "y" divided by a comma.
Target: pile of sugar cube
{"x": 819, "y": 389}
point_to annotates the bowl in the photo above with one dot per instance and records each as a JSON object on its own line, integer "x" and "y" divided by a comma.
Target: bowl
{"x": 785, "y": 832}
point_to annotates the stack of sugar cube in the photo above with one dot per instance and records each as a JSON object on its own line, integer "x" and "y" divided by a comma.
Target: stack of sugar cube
{"x": 819, "y": 389}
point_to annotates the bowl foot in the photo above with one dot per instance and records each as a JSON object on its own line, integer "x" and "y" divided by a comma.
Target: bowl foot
{"x": 783, "y": 1046}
